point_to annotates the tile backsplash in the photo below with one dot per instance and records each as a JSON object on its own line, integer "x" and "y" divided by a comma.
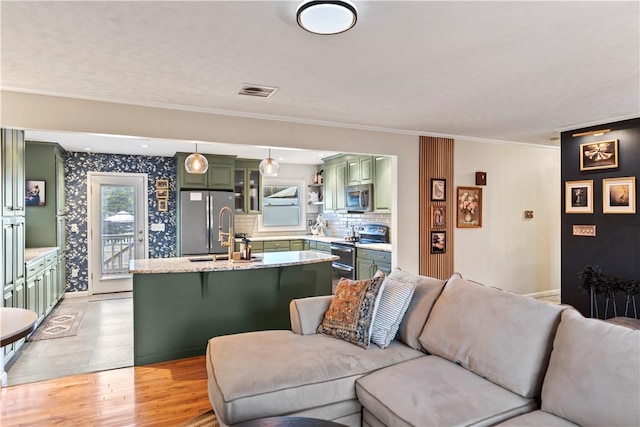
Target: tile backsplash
{"x": 338, "y": 223}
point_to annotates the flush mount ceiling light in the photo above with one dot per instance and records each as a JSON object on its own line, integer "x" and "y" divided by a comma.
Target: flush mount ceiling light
{"x": 326, "y": 16}
{"x": 196, "y": 163}
{"x": 269, "y": 167}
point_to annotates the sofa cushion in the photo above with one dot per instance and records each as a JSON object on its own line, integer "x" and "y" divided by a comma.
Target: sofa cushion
{"x": 537, "y": 419}
{"x": 425, "y": 294}
{"x": 431, "y": 391}
{"x": 352, "y": 309}
{"x": 271, "y": 373}
{"x": 395, "y": 299}
{"x": 594, "y": 373}
{"x": 504, "y": 337}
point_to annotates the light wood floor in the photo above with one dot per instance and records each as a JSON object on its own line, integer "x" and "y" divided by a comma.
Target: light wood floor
{"x": 164, "y": 394}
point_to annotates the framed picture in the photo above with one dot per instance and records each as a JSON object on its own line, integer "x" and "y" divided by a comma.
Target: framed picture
{"x": 162, "y": 194}
{"x": 438, "y": 242}
{"x": 163, "y": 205}
{"x": 438, "y": 214}
{"x": 599, "y": 155}
{"x": 162, "y": 183}
{"x": 469, "y": 206}
{"x": 619, "y": 195}
{"x": 438, "y": 189}
{"x": 579, "y": 197}
{"x": 34, "y": 193}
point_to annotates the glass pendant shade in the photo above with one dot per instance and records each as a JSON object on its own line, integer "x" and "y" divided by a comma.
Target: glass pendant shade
{"x": 196, "y": 163}
{"x": 326, "y": 16}
{"x": 269, "y": 167}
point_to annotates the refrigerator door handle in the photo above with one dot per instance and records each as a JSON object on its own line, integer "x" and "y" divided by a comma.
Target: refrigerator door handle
{"x": 208, "y": 211}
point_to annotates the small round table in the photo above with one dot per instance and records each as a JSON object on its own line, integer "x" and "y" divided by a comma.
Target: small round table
{"x": 15, "y": 323}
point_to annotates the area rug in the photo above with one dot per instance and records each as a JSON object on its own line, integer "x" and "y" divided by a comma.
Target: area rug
{"x": 208, "y": 419}
{"x": 58, "y": 326}
{"x": 106, "y": 297}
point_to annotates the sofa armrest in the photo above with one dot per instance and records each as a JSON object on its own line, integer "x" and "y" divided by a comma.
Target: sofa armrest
{"x": 307, "y": 313}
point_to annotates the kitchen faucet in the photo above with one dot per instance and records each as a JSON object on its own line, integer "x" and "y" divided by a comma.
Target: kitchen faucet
{"x": 230, "y": 241}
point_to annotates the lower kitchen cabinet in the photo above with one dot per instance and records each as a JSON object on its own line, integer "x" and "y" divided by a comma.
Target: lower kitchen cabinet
{"x": 43, "y": 287}
{"x": 369, "y": 261}
{"x": 277, "y": 246}
{"x": 323, "y": 247}
{"x": 296, "y": 245}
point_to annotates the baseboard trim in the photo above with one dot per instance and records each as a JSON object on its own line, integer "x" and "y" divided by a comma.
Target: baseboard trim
{"x": 544, "y": 294}
{"x": 77, "y": 294}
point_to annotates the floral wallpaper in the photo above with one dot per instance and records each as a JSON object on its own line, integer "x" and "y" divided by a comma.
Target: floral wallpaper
{"x": 162, "y": 244}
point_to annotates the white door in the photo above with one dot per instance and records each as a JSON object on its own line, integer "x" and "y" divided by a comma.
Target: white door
{"x": 117, "y": 218}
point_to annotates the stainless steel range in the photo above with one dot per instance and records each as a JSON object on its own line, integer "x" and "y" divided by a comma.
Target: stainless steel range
{"x": 346, "y": 250}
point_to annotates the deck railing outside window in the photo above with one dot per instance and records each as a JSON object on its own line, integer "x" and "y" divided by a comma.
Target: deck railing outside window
{"x": 117, "y": 250}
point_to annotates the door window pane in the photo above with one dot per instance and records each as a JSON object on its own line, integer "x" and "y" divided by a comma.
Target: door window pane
{"x": 117, "y": 209}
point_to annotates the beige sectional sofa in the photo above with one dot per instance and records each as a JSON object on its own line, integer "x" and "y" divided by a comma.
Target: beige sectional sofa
{"x": 465, "y": 354}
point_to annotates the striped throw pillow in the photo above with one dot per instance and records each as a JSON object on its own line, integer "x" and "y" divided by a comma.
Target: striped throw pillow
{"x": 395, "y": 299}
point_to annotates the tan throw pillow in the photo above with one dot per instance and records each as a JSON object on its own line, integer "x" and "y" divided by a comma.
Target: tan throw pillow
{"x": 351, "y": 312}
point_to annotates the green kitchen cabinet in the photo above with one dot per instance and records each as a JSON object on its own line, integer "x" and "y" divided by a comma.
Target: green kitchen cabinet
{"x": 369, "y": 261}
{"x": 219, "y": 176}
{"x": 359, "y": 170}
{"x": 296, "y": 245}
{"x": 277, "y": 246}
{"x": 323, "y": 247}
{"x": 12, "y": 171}
{"x": 335, "y": 179}
{"x": 257, "y": 247}
{"x": 13, "y": 260}
{"x": 248, "y": 186}
{"x": 382, "y": 184}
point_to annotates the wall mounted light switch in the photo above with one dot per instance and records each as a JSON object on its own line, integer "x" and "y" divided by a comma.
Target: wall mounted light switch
{"x": 528, "y": 214}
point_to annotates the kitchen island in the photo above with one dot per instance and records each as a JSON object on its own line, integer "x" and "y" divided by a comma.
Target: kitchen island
{"x": 179, "y": 303}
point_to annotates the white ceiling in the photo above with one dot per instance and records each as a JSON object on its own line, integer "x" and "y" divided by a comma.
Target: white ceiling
{"x": 511, "y": 71}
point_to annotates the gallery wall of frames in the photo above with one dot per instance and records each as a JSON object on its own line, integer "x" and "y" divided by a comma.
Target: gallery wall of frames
{"x": 600, "y": 213}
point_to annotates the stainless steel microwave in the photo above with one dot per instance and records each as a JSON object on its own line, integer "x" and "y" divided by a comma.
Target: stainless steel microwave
{"x": 359, "y": 198}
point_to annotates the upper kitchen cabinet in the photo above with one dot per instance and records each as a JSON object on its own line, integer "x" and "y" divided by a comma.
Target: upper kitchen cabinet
{"x": 45, "y": 163}
{"x": 359, "y": 170}
{"x": 219, "y": 176}
{"x": 12, "y": 172}
{"x": 335, "y": 179}
{"x": 248, "y": 186}
{"x": 348, "y": 169}
{"x": 382, "y": 184}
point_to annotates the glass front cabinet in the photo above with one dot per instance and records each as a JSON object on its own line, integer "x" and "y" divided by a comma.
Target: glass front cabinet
{"x": 248, "y": 187}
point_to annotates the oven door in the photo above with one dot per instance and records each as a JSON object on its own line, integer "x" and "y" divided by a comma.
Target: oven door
{"x": 338, "y": 271}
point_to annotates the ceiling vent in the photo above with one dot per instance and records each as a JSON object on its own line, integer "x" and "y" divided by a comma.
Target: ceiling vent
{"x": 259, "y": 91}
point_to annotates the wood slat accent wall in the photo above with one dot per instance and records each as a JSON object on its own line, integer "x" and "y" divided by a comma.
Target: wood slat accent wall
{"x": 436, "y": 161}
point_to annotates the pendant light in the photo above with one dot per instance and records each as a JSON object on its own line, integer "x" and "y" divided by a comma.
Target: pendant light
{"x": 326, "y": 16}
{"x": 269, "y": 167}
{"x": 196, "y": 163}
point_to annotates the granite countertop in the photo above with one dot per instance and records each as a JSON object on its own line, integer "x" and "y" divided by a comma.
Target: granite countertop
{"x": 265, "y": 260}
{"x": 31, "y": 254}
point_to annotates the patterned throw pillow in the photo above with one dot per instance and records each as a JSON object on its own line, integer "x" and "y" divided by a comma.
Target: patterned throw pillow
{"x": 395, "y": 299}
{"x": 350, "y": 314}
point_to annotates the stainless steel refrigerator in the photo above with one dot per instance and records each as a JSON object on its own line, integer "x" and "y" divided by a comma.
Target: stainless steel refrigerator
{"x": 199, "y": 213}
